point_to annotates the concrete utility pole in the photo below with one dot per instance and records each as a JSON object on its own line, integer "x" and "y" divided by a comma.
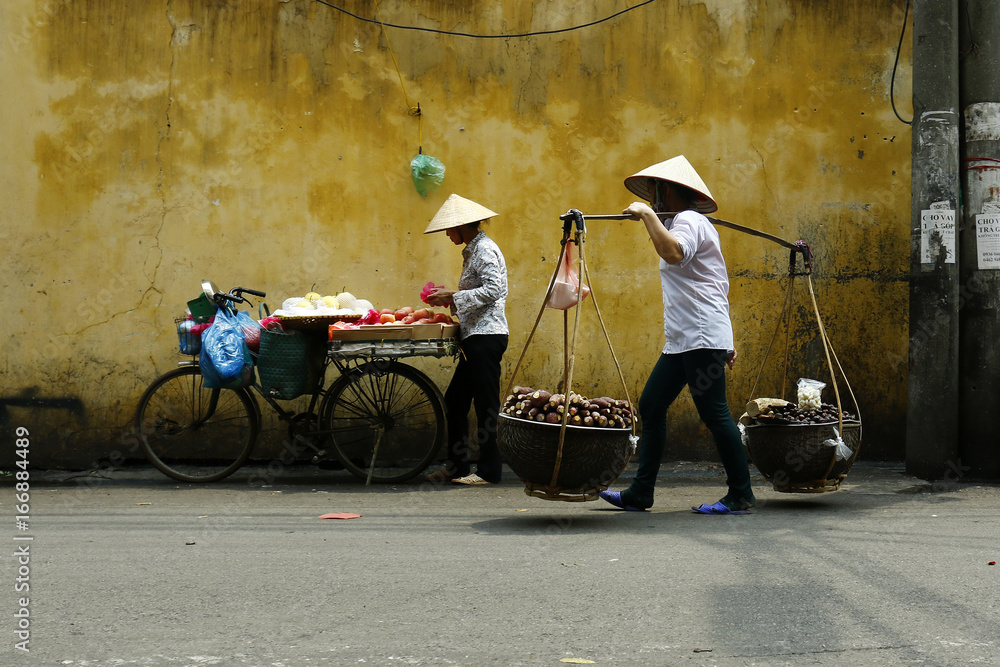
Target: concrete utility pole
{"x": 932, "y": 415}
{"x": 979, "y": 242}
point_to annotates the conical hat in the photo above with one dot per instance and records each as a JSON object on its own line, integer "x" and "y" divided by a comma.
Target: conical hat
{"x": 675, "y": 170}
{"x": 457, "y": 211}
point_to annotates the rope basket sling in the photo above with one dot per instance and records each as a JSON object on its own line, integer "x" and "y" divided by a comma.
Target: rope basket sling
{"x": 562, "y": 461}
{"x": 797, "y": 458}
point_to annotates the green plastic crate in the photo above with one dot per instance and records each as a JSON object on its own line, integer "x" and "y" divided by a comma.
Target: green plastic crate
{"x": 202, "y": 309}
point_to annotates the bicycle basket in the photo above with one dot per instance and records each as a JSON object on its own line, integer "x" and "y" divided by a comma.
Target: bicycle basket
{"x": 189, "y": 338}
{"x": 289, "y": 364}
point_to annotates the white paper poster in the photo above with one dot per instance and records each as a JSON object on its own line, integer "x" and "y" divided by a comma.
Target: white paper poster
{"x": 937, "y": 231}
{"x": 988, "y": 240}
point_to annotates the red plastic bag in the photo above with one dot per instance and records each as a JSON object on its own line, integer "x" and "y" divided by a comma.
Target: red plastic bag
{"x": 429, "y": 289}
{"x": 251, "y": 330}
{"x": 372, "y": 317}
{"x": 566, "y": 291}
{"x": 272, "y": 323}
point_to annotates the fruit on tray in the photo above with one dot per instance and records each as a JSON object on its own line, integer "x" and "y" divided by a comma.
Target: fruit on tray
{"x": 542, "y": 406}
{"x": 347, "y": 300}
{"x": 314, "y": 304}
{"x": 410, "y": 315}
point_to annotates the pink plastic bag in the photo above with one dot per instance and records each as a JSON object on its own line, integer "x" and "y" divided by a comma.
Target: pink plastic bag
{"x": 429, "y": 289}
{"x": 567, "y": 289}
{"x": 372, "y": 317}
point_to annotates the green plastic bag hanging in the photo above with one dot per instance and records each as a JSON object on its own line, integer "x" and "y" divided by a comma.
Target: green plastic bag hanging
{"x": 428, "y": 173}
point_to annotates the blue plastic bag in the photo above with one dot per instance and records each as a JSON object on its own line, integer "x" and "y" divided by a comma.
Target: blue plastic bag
{"x": 225, "y": 359}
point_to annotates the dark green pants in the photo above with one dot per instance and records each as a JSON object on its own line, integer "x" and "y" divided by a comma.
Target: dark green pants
{"x": 704, "y": 373}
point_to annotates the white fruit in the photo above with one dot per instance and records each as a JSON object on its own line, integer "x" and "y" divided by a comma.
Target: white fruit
{"x": 347, "y": 300}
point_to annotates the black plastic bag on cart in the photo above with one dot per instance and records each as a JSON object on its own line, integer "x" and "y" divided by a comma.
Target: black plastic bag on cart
{"x": 225, "y": 360}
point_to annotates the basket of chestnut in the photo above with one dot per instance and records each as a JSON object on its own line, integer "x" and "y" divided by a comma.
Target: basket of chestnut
{"x": 800, "y": 449}
{"x": 565, "y": 448}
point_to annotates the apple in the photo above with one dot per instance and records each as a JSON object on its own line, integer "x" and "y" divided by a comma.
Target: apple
{"x": 422, "y": 313}
{"x": 387, "y": 318}
{"x": 409, "y": 319}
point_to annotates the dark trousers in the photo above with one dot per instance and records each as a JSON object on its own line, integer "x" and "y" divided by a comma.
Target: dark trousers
{"x": 476, "y": 381}
{"x": 704, "y": 372}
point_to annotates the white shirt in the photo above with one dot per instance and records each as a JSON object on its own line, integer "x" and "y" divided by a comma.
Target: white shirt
{"x": 696, "y": 289}
{"x": 482, "y": 289}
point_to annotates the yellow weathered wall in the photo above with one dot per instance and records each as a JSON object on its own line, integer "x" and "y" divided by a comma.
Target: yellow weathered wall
{"x": 267, "y": 144}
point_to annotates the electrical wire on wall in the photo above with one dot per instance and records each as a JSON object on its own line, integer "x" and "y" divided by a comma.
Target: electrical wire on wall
{"x": 499, "y": 36}
{"x": 427, "y": 171}
{"x": 892, "y": 83}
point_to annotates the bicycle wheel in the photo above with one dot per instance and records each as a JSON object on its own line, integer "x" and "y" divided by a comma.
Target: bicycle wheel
{"x": 386, "y": 421}
{"x": 192, "y": 433}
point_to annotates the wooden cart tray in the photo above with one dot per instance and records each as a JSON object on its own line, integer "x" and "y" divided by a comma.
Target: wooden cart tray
{"x": 391, "y": 349}
{"x": 370, "y": 332}
{"x": 321, "y": 322}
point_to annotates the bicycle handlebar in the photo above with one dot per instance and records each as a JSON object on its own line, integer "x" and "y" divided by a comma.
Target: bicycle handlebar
{"x": 236, "y": 295}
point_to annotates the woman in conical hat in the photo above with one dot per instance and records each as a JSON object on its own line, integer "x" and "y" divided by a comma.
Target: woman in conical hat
{"x": 699, "y": 333}
{"x": 478, "y": 303}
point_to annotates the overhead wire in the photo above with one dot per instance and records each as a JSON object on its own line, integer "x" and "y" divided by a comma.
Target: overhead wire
{"x": 473, "y": 35}
{"x": 892, "y": 82}
{"x": 413, "y": 110}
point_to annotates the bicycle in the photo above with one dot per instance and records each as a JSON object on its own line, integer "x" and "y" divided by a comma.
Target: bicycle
{"x": 381, "y": 419}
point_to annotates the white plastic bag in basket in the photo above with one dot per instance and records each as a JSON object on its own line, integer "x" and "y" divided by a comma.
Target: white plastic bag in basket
{"x": 843, "y": 451}
{"x": 810, "y": 394}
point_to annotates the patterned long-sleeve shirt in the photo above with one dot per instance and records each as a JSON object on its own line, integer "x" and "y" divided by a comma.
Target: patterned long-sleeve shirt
{"x": 481, "y": 298}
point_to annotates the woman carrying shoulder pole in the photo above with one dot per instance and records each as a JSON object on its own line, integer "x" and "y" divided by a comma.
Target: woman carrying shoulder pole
{"x": 699, "y": 334}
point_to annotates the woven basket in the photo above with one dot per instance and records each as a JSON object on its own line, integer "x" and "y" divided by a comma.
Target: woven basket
{"x": 289, "y": 364}
{"x": 794, "y": 459}
{"x": 592, "y": 458}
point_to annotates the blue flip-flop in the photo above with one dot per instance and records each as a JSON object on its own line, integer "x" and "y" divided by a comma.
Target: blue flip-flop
{"x": 615, "y": 498}
{"x": 717, "y": 508}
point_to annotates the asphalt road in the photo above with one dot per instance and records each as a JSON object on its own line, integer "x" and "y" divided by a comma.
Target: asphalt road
{"x": 139, "y": 570}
